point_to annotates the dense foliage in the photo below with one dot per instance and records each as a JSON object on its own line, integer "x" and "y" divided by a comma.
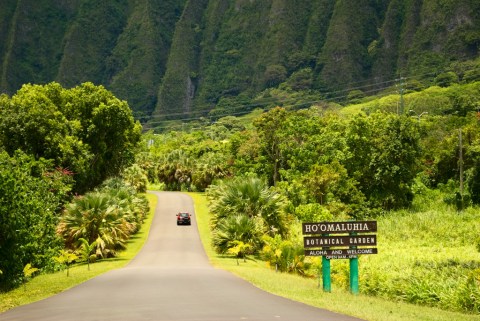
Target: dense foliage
{"x": 106, "y": 217}
{"x": 351, "y": 162}
{"x": 31, "y": 194}
{"x": 182, "y": 59}
{"x": 245, "y": 209}
{"x": 86, "y": 129}
{"x": 55, "y": 143}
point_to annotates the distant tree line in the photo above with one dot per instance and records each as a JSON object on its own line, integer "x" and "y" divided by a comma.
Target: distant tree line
{"x": 324, "y": 162}
{"x": 372, "y": 158}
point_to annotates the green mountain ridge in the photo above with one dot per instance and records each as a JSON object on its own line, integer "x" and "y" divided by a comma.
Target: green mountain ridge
{"x": 174, "y": 59}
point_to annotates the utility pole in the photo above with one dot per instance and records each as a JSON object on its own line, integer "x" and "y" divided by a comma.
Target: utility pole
{"x": 460, "y": 164}
{"x": 401, "y": 91}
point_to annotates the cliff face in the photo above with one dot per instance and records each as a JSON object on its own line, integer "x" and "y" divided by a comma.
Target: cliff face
{"x": 122, "y": 44}
{"x": 178, "y": 58}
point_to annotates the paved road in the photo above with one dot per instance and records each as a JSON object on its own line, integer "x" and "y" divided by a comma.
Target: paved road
{"x": 170, "y": 279}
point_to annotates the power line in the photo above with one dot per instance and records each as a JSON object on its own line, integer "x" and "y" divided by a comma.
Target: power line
{"x": 243, "y": 109}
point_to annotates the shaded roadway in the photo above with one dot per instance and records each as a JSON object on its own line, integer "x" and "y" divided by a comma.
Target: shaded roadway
{"x": 170, "y": 279}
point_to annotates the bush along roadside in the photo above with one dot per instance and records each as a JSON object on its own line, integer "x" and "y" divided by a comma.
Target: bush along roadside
{"x": 103, "y": 220}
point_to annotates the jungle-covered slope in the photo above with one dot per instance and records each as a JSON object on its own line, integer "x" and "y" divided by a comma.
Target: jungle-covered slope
{"x": 184, "y": 58}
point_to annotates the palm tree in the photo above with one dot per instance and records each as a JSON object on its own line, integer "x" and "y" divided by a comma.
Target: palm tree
{"x": 209, "y": 167}
{"x": 237, "y": 228}
{"x": 86, "y": 250}
{"x": 134, "y": 206}
{"x": 136, "y": 177}
{"x": 175, "y": 170}
{"x": 66, "y": 258}
{"x": 94, "y": 218}
{"x": 249, "y": 196}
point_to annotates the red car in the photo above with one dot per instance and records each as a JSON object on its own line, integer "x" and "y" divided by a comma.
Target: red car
{"x": 183, "y": 218}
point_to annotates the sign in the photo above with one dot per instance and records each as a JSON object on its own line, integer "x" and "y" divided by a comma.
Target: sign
{"x": 339, "y": 227}
{"x": 337, "y": 241}
{"x": 340, "y": 252}
{"x": 331, "y": 257}
{"x": 325, "y": 240}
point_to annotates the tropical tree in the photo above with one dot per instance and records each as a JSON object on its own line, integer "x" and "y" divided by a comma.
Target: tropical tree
{"x": 311, "y": 138}
{"x": 95, "y": 219}
{"x": 209, "y": 167}
{"x": 30, "y": 195}
{"x": 249, "y": 196}
{"x": 86, "y": 129}
{"x": 136, "y": 177}
{"x": 33, "y": 120}
{"x": 175, "y": 170}
{"x": 234, "y": 229}
{"x": 244, "y": 150}
{"x": 86, "y": 250}
{"x": 330, "y": 186}
{"x": 384, "y": 158}
{"x": 269, "y": 127}
{"x": 66, "y": 258}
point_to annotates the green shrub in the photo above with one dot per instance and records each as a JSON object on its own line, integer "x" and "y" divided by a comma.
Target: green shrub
{"x": 285, "y": 255}
{"x": 30, "y": 194}
{"x": 237, "y": 228}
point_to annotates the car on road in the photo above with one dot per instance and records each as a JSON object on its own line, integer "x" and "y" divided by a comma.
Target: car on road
{"x": 184, "y": 218}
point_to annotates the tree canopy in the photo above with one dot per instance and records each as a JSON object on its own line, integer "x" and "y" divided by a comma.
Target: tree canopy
{"x": 85, "y": 129}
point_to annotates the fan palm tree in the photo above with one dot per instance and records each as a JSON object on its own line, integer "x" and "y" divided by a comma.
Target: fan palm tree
{"x": 136, "y": 177}
{"x": 234, "y": 229}
{"x": 210, "y": 166}
{"x": 134, "y": 206}
{"x": 249, "y": 196}
{"x": 94, "y": 218}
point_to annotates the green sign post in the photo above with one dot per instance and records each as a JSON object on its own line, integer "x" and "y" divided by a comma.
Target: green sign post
{"x": 354, "y": 288}
{"x": 331, "y": 246}
{"x": 326, "y": 280}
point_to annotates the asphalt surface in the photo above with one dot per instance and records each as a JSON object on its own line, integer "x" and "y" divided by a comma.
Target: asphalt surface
{"x": 170, "y": 279}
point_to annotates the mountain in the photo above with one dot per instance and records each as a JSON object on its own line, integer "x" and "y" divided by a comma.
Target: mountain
{"x": 175, "y": 59}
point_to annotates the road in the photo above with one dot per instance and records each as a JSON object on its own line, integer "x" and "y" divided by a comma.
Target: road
{"x": 170, "y": 279}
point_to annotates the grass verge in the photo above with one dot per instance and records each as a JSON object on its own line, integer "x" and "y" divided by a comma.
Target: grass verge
{"x": 46, "y": 285}
{"x": 308, "y": 291}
